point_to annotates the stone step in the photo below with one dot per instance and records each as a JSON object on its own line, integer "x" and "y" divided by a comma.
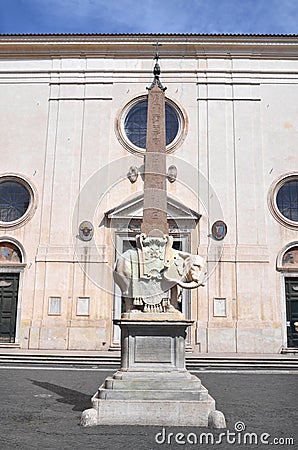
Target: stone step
{"x": 145, "y": 384}
{"x": 57, "y": 359}
{"x": 241, "y": 364}
{"x": 153, "y": 394}
{"x": 165, "y": 374}
{"x": 252, "y": 362}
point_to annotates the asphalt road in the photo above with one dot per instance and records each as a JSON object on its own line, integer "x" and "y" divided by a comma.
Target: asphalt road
{"x": 40, "y": 409}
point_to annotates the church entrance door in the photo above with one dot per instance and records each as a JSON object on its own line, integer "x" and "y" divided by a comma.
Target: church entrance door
{"x": 291, "y": 285}
{"x": 9, "y": 285}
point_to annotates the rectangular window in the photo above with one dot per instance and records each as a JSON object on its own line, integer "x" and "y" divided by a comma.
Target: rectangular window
{"x": 83, "y": 305}
{"x": 220, "y": 307}
{"x": 54, "y": 306}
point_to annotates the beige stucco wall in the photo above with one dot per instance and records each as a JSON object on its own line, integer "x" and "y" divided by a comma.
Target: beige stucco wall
{"x": 57, "y": 121}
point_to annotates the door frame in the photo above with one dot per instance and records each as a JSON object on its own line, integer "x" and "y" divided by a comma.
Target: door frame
{"x": 283, "y": 276}
{"x": 17, "y": 268}
{"x": 284, "y": 273}
{"x": 285, "y": 331}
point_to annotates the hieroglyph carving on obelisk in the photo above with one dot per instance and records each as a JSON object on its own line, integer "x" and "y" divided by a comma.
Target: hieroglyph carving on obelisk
{"x": 155, "y": 189}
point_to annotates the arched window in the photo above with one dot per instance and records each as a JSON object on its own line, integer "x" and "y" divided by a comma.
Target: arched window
{"x": 9, "y": 253}
{"x": 290, "y": 259}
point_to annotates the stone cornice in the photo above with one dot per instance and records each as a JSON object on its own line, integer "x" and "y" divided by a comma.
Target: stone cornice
{"x": 141, "y": 45}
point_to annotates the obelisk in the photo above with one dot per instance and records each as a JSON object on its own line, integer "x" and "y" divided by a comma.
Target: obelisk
{"x": 155, "y": 189}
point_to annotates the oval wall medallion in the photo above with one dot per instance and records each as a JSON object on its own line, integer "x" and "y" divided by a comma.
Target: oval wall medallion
{"x": 219, "y": 230}
{"x": 86, "y": 231}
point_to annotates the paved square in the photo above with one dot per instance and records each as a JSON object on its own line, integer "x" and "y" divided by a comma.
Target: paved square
{"x": 40, "y": 409}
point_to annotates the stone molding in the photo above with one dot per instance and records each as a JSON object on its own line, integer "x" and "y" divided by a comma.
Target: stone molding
{"x": 133, "y": 209}
{"x": 238, "y": 253}
{"x": 128, "y": 45}
{"x": 65, "y": 253}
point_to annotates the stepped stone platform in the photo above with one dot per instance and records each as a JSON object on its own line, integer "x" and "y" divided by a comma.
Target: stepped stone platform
{"x": 158, "y": 385}
{"x": 153, "y": 386}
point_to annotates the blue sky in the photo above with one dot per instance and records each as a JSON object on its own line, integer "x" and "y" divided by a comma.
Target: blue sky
{"x": 149, "y": 16}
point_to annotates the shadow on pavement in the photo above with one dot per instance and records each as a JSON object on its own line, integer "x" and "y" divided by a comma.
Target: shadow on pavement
{"x": 69, "y": 396}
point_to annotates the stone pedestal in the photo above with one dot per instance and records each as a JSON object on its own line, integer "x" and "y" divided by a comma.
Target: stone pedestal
{"x": 152, "y": 386}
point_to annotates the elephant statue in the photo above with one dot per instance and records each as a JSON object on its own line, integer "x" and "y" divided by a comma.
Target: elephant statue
{"x": 151, "y": 275}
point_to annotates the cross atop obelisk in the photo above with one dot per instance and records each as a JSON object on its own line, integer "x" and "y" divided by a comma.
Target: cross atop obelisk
{"x": 155, "y": 189}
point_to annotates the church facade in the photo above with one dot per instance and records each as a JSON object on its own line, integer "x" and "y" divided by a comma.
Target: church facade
{"x": 72, "y": 145}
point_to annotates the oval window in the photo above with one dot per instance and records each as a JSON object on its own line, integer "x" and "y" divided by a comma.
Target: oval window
{"x": 283, "y": 200}
{"x": 287, "y": 200}
{"x": 135, "y": 124}
{"x": 16, "y": 201}
{"x": 131, "y": 125}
